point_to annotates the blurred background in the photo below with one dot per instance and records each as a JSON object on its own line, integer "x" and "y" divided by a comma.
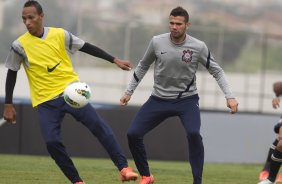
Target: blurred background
{"x": 245, "y": 37}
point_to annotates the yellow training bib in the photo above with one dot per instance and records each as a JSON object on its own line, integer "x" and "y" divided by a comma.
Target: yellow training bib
{"x": 50, "y": 69}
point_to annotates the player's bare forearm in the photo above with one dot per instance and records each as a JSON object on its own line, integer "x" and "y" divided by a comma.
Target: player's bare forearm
{"x": 124, "y": 65}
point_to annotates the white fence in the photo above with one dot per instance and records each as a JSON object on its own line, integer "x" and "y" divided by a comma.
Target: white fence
{"x": 109, "y": 84}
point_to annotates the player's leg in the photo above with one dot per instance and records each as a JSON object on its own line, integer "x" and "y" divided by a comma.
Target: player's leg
{"x": 275, "y": 163}
{"x": 150, "y": 115}
{"x": 100, "y": 129}
{"x": 276, "y": 160}
{"x": 270, "y": 152}
{"x": 189, "y": 114}
{"x": 50, "y": 117}
{"x": 265, "y": 171}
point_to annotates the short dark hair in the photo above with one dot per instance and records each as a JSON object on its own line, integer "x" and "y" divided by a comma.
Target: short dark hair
{"x": 179, "y": 11}
{"x": 37, "y": 6}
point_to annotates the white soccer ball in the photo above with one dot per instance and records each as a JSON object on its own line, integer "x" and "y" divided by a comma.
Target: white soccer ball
{"x": 77, "y": 94}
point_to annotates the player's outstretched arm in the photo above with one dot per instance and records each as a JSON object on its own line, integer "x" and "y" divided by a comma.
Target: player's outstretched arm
{"x": 124, "y": 65}
{"x": 232, "y": 104}
{"x": 100, "y": 53}
{"x": 124, "y": 99}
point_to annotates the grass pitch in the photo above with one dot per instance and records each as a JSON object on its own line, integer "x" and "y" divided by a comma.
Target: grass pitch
{"x": 22, "y": 169}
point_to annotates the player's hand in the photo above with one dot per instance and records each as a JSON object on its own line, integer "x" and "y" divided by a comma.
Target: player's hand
{"x": 125, "y": 65}
{"x": 124, "y": 99}
{"x": 276, "y": 102}
{"x": 9, "y": 113}
{"x": 232, "y": 104}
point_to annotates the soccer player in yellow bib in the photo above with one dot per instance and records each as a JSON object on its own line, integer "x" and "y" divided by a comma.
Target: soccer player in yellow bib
{"x": 43, "y": 52}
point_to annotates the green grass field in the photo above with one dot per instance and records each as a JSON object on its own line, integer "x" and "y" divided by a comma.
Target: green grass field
{"x": 21, "y": 169}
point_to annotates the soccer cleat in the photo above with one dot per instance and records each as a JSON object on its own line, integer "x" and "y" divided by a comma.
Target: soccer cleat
{"x": 279, "y": 178}
{"x": 147, "y": 180}
{"x": 80, "y": 182}
{"x": 266, "y": 181}
{"x": 127, "y": 174}
{"x": 263, "y": 175}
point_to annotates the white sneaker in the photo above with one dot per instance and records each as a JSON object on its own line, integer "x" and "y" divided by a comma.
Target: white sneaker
{"x": 266, "y": 181}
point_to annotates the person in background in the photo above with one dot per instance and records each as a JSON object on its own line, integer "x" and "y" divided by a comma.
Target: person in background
{"x": 176, "y": 56}
{"x": 274, "y": 158}
{"x": 43, "y": 52}
{"x": 265, "y": 170}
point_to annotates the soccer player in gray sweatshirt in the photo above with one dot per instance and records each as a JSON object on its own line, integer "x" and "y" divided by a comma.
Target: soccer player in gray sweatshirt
{"x": 176, "y": 56}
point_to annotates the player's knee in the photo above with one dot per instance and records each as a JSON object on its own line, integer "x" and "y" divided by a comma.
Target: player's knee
{"x": 131, "y": 135}
{"x": 195, "y": 135}
{"x": 191, "y": 133}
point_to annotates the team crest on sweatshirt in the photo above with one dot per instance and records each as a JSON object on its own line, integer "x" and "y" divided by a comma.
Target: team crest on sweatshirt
{"x": 187, "y": 56}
